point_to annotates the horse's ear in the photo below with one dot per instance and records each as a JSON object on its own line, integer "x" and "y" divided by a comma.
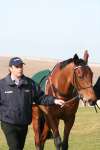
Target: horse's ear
{"x": 76, "y": 59}
{"x": 86, "y": 56}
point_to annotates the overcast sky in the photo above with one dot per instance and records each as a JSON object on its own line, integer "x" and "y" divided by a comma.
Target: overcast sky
{"x": 50, "y": 28}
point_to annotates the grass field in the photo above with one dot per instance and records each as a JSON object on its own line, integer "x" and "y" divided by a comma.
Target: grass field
{"x": 85, "y": 134}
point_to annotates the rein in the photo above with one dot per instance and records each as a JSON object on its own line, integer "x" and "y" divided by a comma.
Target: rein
{"x": 75, "y": 80}
{"x": 54, "y": 94}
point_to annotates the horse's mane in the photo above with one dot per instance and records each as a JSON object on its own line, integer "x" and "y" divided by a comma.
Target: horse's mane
{"x": 65, "y": 62}
{"x": 75, "y": 59}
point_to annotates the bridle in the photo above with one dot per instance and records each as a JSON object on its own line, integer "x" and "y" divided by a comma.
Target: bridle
{"x": 76, "y": 83}
{"x": 75, "y": 79}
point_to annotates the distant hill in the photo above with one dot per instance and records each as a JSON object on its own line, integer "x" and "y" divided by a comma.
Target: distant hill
{"x": 31, "y": 65}
{"x": 34, "y": 65}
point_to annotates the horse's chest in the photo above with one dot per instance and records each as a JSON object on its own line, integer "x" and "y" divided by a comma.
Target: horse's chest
{"x": 62, "y": 112}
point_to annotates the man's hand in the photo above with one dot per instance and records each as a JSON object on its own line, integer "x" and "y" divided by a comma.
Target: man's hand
{"x": 59, "y": 102}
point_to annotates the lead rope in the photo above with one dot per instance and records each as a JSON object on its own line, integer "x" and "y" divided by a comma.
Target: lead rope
{"x": 96, "y": 106}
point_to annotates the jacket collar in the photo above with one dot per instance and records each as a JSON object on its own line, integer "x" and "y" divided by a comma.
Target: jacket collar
{"x": 11, "y": 82}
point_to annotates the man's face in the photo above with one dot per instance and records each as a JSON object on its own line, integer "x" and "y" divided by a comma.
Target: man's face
{"x": 17, "y": 71}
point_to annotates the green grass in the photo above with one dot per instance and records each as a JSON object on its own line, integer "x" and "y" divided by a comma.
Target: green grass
{"x": 85, "y": 133}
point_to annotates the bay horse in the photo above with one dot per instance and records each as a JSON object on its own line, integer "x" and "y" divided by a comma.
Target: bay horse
{"x": 70, "y": 80}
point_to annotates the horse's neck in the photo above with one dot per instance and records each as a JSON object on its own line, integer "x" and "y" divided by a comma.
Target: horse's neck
{"x": 63, "y": 83}
{"x": 69, "y": 93}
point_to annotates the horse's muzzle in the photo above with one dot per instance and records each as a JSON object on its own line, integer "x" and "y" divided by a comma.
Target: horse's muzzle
{"x": 90, "y": 101}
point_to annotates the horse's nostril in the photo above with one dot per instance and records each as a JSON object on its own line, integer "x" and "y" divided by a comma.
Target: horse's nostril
{"x": 92, "y": 103}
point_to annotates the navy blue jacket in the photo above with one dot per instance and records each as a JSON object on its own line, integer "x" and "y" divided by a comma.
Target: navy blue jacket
{"x": 16, "y": 100}
{"x": 97, "y": 88}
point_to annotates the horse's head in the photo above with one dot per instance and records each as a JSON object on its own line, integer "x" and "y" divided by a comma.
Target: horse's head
{"x": 82, "y": 80}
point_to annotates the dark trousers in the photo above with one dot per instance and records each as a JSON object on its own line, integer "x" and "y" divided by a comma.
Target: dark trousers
{"x": 15, "y": 135}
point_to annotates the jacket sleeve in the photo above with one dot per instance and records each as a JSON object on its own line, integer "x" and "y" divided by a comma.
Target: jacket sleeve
{"x": 0, "y": 97}
{"x": 46, "y": 100}
{"x": 97, "y": 88}
{"x": 39, "y": 96}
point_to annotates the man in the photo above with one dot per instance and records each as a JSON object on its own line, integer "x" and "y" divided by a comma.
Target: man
{"x": 97, "y": 88}
{"x": 17, "y": 93}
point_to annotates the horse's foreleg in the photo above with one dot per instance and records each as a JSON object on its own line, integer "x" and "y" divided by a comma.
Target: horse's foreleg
{"x": 54, "y": 126}
{"x": 57, "y": 142}
{"x": 68, "y": 125}
{"x": 57, "y": 139}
